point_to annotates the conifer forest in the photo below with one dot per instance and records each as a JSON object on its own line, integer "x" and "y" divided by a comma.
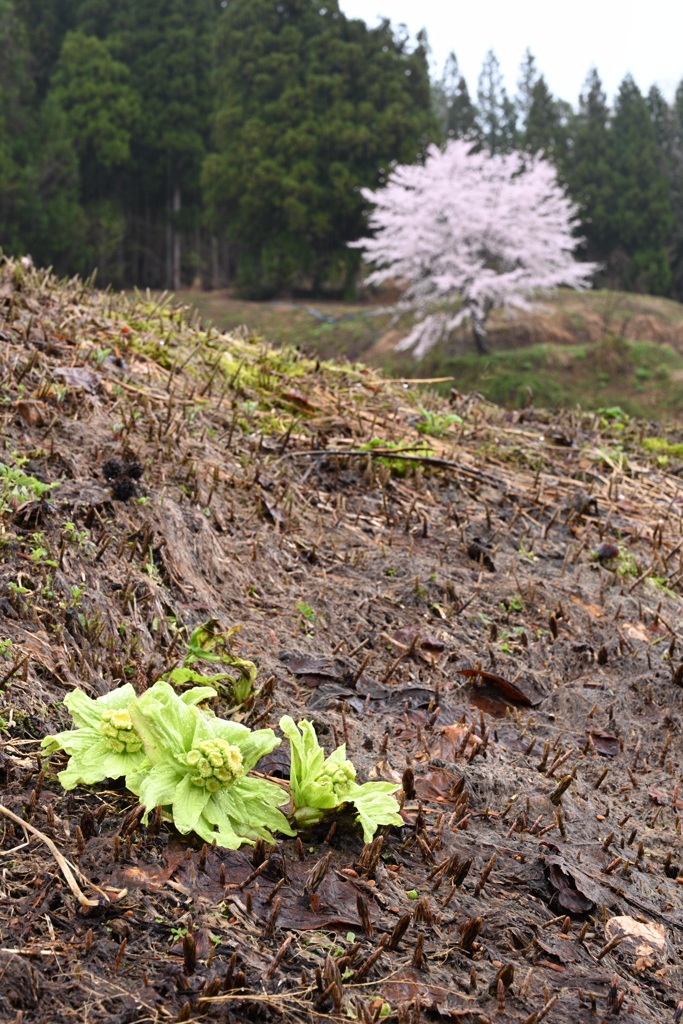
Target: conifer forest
{"x": 178, "y": 142}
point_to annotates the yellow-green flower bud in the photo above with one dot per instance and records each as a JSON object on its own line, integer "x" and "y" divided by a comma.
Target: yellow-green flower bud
{"x": 217, "y": 764}
{"x": 340, "y": 776}
{"x": 118, "y": 732}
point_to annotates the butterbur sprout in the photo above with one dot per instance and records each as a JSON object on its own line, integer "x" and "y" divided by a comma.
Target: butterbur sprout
{"x": 104, "y": 744}
{"x": 320, "y": 785}
{"x": 198, "y": 771}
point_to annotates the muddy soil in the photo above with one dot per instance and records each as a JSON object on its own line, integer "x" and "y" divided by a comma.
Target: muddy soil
{"x": 486, "y": 613}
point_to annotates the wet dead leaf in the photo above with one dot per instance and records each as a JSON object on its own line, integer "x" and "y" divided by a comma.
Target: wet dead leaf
{"x": 567, "y": 895}
{"x": 436, "y": 785}
{"x": 557, "y": 945}
{"x": 594, "y": 610}
{"x": 417, "y": 642}
{"x": 272, "y": 512}
{"x": 313, "y": 669}
{"x": 509, "y": 691}
{"x": 78, "y": 377}
{"x": 637, "y": 631}
{"x": 664, "y": 797}
{"x": 32, "y": 413}
{"x": 450, "y": 744}
{"x": 605, "y": 743}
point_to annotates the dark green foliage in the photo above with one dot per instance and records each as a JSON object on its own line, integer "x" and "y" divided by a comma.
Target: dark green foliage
{"x": 546, "y": 128}
{"x": 166, "y": 45}
{"x": 15, "y": 124}
{"x": 166, "y": 140}
{"x": 589, "y": 171}
{"x": 311, "y": 106}
{"x": 642, "y": 214}
{"x": 45, "y": 22}
{"x": 496, "y": 116}
{"x": 101, "y": 106}
{"x": 100, "y": 109}
{"x": 528, "y": 77}
{"x": 455, "y": 111}
{"x": 39, "y": 211}
{"x": 668, "y": 127}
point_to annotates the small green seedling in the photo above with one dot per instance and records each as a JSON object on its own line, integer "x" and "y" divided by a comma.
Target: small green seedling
{"x": 209, "y": 643}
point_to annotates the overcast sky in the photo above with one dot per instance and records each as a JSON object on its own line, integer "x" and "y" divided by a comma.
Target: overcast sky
{"x": 644, "y": 38}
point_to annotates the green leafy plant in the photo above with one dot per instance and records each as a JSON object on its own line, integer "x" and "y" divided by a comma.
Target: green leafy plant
{"x": 104, "y": 744}
{"x": 304, "y": 608}
{"x": 399, "y": 467}
{"x": 178, "y": 756}
{"x": 436, "y": 423}
{"x": 198, "y": 774}
{"x": 209, "y": 643}
{"x": 17, "y": 486}
{"x": 320, "y": 785}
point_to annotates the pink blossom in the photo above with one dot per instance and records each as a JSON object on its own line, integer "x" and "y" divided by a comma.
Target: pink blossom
{"x": 466, "y": 232}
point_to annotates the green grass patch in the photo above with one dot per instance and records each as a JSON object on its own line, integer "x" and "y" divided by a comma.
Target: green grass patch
{"x": 636, "y": 376}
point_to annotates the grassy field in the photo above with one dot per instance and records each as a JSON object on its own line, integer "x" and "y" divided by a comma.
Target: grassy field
{"x": 596, "y": 349}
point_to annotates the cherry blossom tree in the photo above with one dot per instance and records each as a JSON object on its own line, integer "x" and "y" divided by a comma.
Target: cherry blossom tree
{"x": 466, "y": 232}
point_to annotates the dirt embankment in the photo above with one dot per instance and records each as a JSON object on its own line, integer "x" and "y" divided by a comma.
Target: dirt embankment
{"x": 485, "y": 606}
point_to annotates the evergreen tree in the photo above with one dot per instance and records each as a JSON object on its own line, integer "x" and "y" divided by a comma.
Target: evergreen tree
{"x": 101, "y": 108}
{"x": 166, "y": 44}
{"x": 39, "y": 209}
{"x": 674, "y": 165}
{"x": 310, "y": 107}
{"x": 56, "y": 224}
{"x": 496, "y": 117}
{"x": 642, "y": 212}
{"x": 528, "y": 77}
{"x": 589, "y": 174}
{"x": 545, "y": 127}
{"x": 455, "y": 110}
{"x": 16, "y": 127}
{"x": 45, "y": 22}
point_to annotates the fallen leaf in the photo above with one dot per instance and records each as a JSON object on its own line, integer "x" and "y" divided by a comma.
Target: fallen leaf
{"x": 78, "y": 377}
{"x": 32, "y": 413}
{"x": 313, "y": 669}
{"x": 273, "y": 512}
{"x": 664, "y": 797}
{"x": 641, "y": 939}
{"x": 418, "y": 642}
{"x": 636, "y": 631}
{"x": 593, "y": 610}
{"x": 605, "y": 743}
{"x": 300, "y": 401}
{"x": 503, "y": 687}
{"x": 451, "y": 740}
{"x": 566, "y": 893}
{"x": 436, "y": 785}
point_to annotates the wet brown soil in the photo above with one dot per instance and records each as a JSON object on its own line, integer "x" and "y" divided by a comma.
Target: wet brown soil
{"x": 488, "y": 617}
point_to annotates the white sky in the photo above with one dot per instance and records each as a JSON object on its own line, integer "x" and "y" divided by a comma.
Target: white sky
{"x": 643, "y": 37}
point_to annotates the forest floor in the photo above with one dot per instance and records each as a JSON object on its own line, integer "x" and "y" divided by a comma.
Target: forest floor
{"x": 595, "y": 349}
{"x": 483, "y": 604}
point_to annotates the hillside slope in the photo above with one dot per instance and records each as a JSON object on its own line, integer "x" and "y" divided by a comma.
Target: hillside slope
{"x": 484, "y": 605}
{"x": 593, "y": 349}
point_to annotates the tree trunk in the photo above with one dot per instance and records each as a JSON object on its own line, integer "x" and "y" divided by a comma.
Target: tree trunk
{"x": 176, "y": 246}
{"x": 479, "y": 316}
